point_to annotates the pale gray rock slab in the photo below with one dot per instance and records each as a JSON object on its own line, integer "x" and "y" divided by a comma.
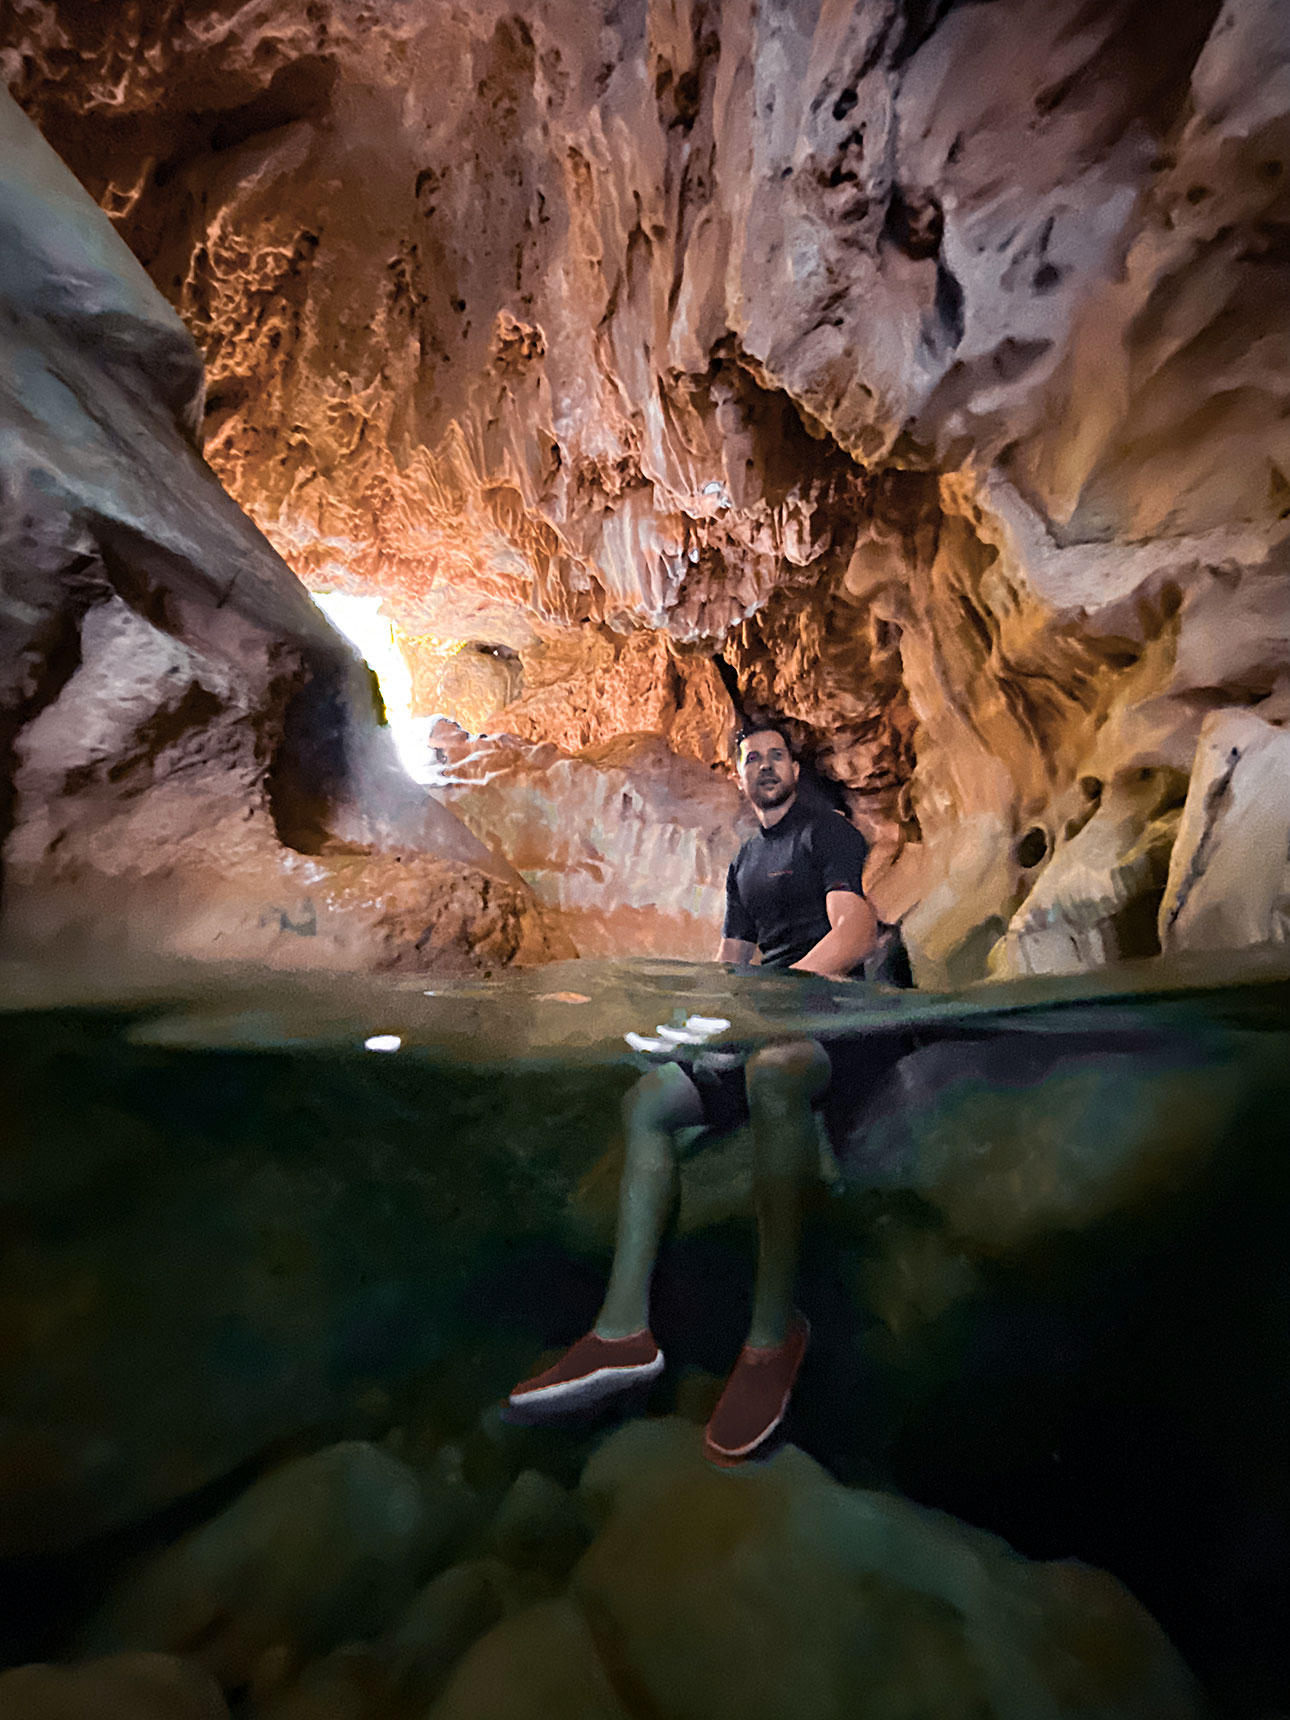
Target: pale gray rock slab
{"x": 1229, "y": 873}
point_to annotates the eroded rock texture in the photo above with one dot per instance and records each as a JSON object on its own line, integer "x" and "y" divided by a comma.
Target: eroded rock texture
{"x": 791, "y": 1596}
{"x": 190, "y": 756}
{"x": 624, "y": 844}
{"x": 928, "y": 361}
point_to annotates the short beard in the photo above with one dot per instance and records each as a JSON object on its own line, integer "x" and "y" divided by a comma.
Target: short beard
{"x": 769, "y": 797}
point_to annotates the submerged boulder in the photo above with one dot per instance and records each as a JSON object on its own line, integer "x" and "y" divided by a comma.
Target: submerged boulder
{"x": 322, "y": 1551}
{"x": 348, "y": 1684}
{"x": 120, "y": 1687}
{"x": 441, "y": 1621}
{"x": 542, "y": 1662}
{"x": 775, "y": 1592}
{"x": 538, "y": 1525}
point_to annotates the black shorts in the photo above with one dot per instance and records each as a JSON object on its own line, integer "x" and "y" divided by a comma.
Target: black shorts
{"x": 858, "y": 1065}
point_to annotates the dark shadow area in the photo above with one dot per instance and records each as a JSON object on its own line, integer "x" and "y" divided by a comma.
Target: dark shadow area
{"x": 314, "y": 768}
{"x": 416, "y": 1238}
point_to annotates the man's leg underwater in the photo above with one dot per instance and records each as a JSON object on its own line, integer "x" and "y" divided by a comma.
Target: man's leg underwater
{"x": 619, "y": 1351}
{"x": 658, "y": 1105}
{"x": 783, "y": 1080}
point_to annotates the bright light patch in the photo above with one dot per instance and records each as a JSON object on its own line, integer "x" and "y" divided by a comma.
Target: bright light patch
{"x": 382, "y": 1042}
{"x": 361, "y": 621}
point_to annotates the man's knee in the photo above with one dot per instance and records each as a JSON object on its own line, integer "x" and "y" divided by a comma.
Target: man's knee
{"x": 664, "y": 1099}
{"x": 793, "y": 1074}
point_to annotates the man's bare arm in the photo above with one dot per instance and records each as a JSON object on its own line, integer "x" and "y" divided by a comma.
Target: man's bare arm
{"x": 853, "y": 931}
{"x": 735, "y": 950}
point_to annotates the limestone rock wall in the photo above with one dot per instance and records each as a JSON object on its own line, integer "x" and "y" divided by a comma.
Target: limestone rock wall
{"x": 583, "y": 688}
{"x": 190, "y": 757}
{"x": 927, "y": 361}
{"x": 624, "y": 844}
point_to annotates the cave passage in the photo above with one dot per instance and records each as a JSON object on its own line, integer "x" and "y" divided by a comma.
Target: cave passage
{"x": 427, "y": 434}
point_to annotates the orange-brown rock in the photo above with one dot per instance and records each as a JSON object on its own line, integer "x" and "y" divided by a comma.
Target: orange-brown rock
{"x": 582, "y": 689}
{"x": 625, "y": 844}
{"x": 468, "y": 684}
{"x": 146, "y": 821}
{"x": 576, "y": 690}
{"x": 185, "y": 744}
{"x": 930, "y": 362}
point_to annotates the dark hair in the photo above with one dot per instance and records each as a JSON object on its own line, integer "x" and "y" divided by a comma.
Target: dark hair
{"x": 751, "y": 727}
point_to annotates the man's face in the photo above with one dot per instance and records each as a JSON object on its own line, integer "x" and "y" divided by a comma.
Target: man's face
{"x": 767, "y": 770}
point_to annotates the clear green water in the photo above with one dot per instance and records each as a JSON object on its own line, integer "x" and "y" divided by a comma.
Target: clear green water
{"x": 1049, "y": 1293}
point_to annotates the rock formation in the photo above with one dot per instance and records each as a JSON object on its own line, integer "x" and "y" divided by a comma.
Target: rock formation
{"x": 191, "y": 759}
{"x": 913, "y": 370}
{"x": 927, "y": 362}
{"x": 624, "y": 844}
{"x": 234, "y": 1237}
{"x": 790, "y": 1596}
{"x": 787, "y": 1596}
{"x": 137, "y": 1686}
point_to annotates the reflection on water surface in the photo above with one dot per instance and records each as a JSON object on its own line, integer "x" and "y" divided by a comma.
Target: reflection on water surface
{"x": 579, "y": 1012}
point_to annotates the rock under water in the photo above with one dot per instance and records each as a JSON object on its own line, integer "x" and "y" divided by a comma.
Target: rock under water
{"x": 120, "y": 1687}
{"x": 236, "y": 1237}
{"x": 784, "y": 1595}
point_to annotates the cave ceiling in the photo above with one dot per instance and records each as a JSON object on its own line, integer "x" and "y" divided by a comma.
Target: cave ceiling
{"x": 926, "y": 361}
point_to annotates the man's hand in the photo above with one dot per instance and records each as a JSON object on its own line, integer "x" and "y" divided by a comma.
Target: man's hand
{"x": 853, "y": 931}
{"x": 735, "y": 950}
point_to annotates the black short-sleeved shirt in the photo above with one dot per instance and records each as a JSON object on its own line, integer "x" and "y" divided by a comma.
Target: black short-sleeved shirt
{"x": 778, "y": 881}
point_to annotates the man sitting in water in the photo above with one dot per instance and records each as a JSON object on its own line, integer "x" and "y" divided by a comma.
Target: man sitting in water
{"x": 793, "y": 893}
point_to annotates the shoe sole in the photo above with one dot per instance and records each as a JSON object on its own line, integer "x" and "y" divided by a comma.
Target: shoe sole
{"x": 591, "y": 1388}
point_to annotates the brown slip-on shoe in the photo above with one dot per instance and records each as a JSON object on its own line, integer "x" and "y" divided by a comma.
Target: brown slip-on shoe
{"x": 594, "y": 1369}
{"x": 755, "y": 1400}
